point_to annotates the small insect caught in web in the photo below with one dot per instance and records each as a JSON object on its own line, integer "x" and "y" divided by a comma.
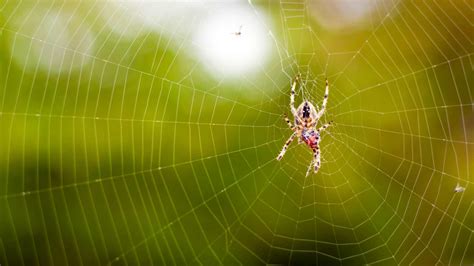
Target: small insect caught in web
{"x": 458, "y": 188}
{"x": 239, "y": 32}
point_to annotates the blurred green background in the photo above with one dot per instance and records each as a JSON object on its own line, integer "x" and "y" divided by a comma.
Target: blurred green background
{"x": 142, "y": 132}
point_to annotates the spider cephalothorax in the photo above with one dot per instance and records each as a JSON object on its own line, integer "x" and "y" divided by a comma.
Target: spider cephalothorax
{"x": 304, "y": 128}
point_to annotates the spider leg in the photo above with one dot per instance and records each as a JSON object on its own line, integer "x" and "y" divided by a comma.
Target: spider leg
{"x": 292, "y": 97}
{"x": 321, "y": 129}
{"x": 316, "y": 160}
{"x": 285, "y": 147}
{"x": 299, "y": 132}
{"x": 325, "y": 101}
{"x": 288, "y": 122}
{"x": 309, "y": 168}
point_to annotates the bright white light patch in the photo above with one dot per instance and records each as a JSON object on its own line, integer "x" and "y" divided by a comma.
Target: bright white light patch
{"x": 227, "y": 49}
{"x": 212, "y": 25}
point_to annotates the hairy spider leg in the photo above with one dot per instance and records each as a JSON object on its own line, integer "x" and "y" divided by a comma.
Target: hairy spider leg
{"x": 285, "y": 147}
{"x": 288, "y": 122}
{"x": 321, "y": 129}
{"x": 292, "y": 98}
{"x": 299, "y": 137}
{"x": 317, "y": 163}
{"x": 316, "y": 160}
{"x": 325, "y": 101}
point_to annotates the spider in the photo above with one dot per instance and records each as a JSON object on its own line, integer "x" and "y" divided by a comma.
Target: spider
{"x": 306, "y": 117}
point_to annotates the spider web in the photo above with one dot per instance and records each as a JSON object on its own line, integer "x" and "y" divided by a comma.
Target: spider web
{"x": 120, "y": 147}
